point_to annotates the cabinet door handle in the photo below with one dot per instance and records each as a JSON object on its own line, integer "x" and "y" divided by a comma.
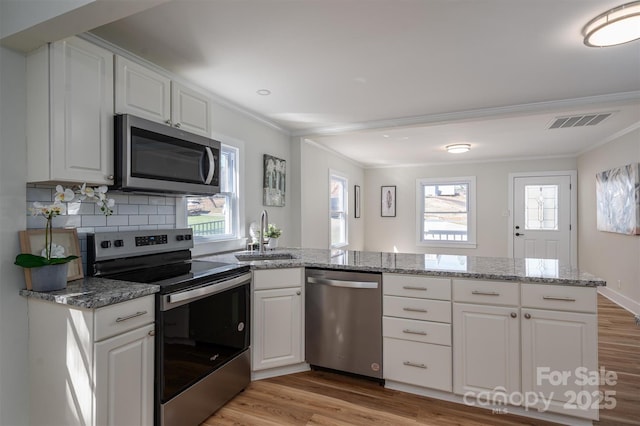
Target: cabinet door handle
{"x": 413, "y": 364}
{"x": 514, "y": 315}
{"x": 562, "y": 299}
{"x": 177, "y": 125}
{"x": 414, "y": 309}
{"x": 527, "y": 316}
{"x": 168, "y": 122}
{"x": 152, "y": 333}
{"x": 298, "y": 292}
{"x": 485, "y": 293}
{"x": 410, "y": 287}
{"x": 128, "y": 317}
{"x": 421, "y": 333}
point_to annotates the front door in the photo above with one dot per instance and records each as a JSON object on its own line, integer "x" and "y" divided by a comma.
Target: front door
{"x": 542, "y": 216}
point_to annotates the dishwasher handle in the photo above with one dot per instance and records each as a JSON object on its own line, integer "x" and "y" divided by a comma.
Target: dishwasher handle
{"x": 341, "y": 283}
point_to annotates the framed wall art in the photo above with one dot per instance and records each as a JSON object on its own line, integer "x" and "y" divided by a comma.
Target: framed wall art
{"x": 356, "y": 198}
{"x": 618, "y": 200}
{"x": 274, "y": 181}
{"x": 388, "y": 201}
{"x": 33, "y": 241}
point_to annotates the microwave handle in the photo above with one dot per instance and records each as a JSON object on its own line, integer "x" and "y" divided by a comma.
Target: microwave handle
{"x": 212, "y": 165}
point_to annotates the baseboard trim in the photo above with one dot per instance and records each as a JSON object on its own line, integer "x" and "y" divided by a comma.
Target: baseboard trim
{"x": 279, "y": 371}
{"x": 620, "y": 300}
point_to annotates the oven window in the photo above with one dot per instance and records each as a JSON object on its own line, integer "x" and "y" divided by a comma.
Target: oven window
{"x": 199, "y": 337}
{"x": 156, "y": 156}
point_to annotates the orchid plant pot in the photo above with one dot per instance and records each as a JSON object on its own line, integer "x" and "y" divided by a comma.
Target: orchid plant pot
{"x": 49, "y": 277}
{"x": 273, "y": 243}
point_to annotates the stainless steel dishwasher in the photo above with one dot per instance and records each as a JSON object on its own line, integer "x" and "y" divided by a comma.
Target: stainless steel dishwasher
{"x": 343, "y": 328}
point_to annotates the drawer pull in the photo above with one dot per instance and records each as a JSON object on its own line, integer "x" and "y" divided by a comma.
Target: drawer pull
{"x": 128, "y": 317}
{"x": 413, "y": 364}
{"x": 410, "y": 287}
{"x": 485, "y": 293}
{"x": 421, "y": 333}
{"x": 414, "y": 310}
{"x": 562, "y": 299}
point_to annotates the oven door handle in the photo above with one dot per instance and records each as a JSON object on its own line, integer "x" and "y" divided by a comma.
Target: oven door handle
{"x": 181, "y": 298}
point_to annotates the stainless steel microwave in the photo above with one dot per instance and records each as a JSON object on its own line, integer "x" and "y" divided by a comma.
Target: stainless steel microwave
{"x": 155, "y": 157}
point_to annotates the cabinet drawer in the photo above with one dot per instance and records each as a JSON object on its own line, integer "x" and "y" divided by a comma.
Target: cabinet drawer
{"x": 486, "y": 292}
{"x": 560, "y": 298}
{"x": 416, "y": 286}
{"x": 421, "y": 309}
{"x": 418, "y": 331}
{"x": 125, "y": 316}
{"x": 419, "y": 364}
{"x": 277, "y": 278}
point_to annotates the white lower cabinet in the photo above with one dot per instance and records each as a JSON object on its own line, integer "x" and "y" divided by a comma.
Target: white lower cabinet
{"x": 416, "y": 329}
{"x": 542, "y": 359}
{"x": 486, "y": 344}
{"x": 92, "y": 367}
{"x": 278, "y": 320}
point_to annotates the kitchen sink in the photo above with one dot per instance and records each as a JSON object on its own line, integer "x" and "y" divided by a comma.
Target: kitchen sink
{"x": 267, "y": 255}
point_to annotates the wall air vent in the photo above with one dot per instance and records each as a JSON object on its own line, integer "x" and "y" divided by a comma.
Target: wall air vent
{"x": 579, "y": 120}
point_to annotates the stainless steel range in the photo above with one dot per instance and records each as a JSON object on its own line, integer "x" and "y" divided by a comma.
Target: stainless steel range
{"x": 202, "y": 318}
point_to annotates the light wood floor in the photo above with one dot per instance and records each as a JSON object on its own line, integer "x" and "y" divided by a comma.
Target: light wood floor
{"x": 322, "y": 398}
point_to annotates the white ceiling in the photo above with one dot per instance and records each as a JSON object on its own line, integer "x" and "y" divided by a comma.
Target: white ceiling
{"x": 425, "y": 73}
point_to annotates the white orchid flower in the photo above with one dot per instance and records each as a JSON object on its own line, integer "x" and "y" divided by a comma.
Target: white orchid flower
{"x": 56, "y": 251}
{"x": 64, "y": 194}
{"x": 47, "y": 211}
{"x": 86, "y": 192}
{"x": 106, "y": 205}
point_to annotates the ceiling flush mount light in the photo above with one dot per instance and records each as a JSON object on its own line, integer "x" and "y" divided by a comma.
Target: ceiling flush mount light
{"x": 458, "y": 148}
{"x": 263, "y": 92}
{"x": 615, "y": 26}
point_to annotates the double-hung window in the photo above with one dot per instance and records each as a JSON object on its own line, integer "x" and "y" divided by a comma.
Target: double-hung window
{"x": 338, "y": 200}
{"x": 216, "y": 217}
{"x": 446, "y": 215}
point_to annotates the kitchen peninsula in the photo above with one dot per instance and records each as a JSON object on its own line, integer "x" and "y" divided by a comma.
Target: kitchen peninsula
{"x": 484, "y": 331}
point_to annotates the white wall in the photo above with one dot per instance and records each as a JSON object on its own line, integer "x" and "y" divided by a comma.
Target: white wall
{"x": 613, "y": 257}
{"x": 259, "y": 139}
{"x": 399, "y": 233}
{"x": 315, "y": 164}
{"x": 14, "y": 397}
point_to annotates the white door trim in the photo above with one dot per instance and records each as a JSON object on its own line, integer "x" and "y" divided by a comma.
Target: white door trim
{"x": 573, "y": 176}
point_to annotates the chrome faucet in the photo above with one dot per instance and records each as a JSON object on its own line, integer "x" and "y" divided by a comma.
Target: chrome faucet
{"x": 264, "y": 223}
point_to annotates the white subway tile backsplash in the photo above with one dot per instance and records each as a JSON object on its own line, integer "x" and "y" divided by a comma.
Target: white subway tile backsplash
{"x": 39, "y": 194}
{"x": 117, "y": 220}
{"x": 94, "y": 220}
{"x": 131, "y": 213}
{"x": 157, "y": 220}
{"x": 148, "y": 209}
{"x": 126, "y": 209}
{"x": 158, "y": 201}
{"x": 166, "y": 209}
{"x": 138, "y": 220}
{"x": 148, "y": 227}
{"x": 138, "y": 199}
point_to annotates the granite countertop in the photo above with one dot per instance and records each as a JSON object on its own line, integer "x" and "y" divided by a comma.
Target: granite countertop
{"x": 540, "y": 271}
{"x": 92, "y": 292}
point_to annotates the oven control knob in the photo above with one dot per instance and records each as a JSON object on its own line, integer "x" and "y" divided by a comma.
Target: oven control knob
{"x": 105, "y": 244}
{"x": 180, "y": 237}
{"x": 187, "y": 237}
{"x": 118, "y": 243}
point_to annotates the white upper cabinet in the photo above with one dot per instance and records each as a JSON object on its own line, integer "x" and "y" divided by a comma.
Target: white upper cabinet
{"x": 145, "y": 93}
{"x": 190, "y": 110}
{"x": 70, "y": 113}
{"x": 142, "y": 92}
